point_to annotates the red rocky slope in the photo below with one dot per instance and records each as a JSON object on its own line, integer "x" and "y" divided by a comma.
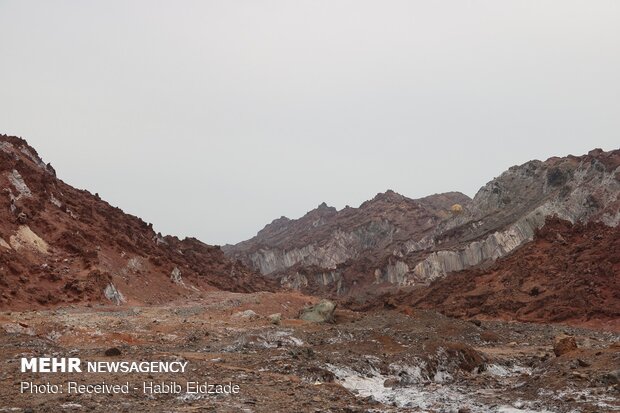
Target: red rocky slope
{"x": 59, "y": 245}
{"x": 568, "y": 273}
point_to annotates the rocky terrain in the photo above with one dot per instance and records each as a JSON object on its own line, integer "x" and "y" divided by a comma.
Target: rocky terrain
{"x": 62, "y": 245}
{"x": 394, "y": 242}
{"x": 376, "y": 361}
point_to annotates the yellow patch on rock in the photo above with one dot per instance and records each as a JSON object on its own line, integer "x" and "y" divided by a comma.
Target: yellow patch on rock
{"x": 25, "y": 238}
{"x": 4, "y": 244}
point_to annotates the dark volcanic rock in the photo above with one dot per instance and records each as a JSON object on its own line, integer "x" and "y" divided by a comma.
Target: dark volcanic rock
{"x": 113, "y": 352}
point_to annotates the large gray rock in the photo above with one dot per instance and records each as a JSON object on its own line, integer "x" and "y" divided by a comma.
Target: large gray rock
{"x": 175, "y": 276}
{"x": 322, "y": 312}
{"x": 112, "y": 294}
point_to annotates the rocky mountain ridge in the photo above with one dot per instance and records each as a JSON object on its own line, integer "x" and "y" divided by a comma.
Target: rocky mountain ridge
{"x": 505, "y": 213}
{"x": 392, "y": 241}
{"x": 327, "y": 240}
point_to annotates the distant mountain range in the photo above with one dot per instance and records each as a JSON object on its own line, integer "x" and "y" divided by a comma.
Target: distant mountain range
{"x": 393, "y": 243}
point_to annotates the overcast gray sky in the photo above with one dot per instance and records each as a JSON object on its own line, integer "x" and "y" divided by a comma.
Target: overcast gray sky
{"x": 211, "y": 118}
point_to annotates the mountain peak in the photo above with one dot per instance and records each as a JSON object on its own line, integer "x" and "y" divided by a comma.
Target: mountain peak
{"x": 388, "y": 196}
{"x": 324, "y": 208}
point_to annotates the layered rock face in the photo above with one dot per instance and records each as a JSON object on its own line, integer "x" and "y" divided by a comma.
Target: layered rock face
{"x": 393, "y": 241}
{"x": 506, "y": 212}
{"x": 59, "y": 244}
{"x": 327, "y": 248}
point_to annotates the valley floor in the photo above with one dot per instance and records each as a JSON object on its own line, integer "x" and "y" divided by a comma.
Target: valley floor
{"x": 398, "y": 360}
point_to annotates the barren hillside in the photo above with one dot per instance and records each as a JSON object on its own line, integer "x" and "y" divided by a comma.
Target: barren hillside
{"x": 61, "y": 245}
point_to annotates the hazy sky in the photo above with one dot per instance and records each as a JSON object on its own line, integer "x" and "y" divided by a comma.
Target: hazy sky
{"x": 211, "y": 118}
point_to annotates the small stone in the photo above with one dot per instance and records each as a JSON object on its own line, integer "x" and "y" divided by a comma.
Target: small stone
{"x": 564, "y": 344}
{"x": 113, "y": 352}
{"x": 275, "y": 318}
{"x": 246, "y": 315}
{"x": 391, "y": 383}
{"x": 489, "y": 336}
{"x": 611, "y": 378}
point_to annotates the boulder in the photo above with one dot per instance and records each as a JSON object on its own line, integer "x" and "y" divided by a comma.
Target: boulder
{"x": 489, "y": 337}
{"x": 246, "y": 315}
{"x": 564, "y": 344}
{"x": 112, "y": 352}
{"x": 322, "y": 312}
{"x": 275, "y": 318}
{"x": 611, "y": 378}
{"x": 112, "y": 294}
{"x": 175, "y": 276}
{"x": 22, "y": 218}
{"x": 391, "y": 383}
